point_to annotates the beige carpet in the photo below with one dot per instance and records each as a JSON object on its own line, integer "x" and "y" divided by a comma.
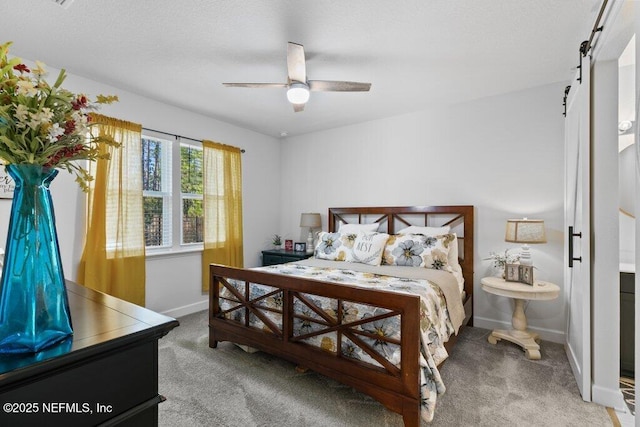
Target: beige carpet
{"x": 487, "y": 385}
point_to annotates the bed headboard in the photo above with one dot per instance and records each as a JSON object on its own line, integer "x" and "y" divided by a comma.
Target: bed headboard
{"x": 390, "y": 219}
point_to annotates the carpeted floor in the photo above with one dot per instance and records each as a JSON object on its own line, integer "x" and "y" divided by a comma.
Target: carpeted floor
{"x": 487, "y": 385}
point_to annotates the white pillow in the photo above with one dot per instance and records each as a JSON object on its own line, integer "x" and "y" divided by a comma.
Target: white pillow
{"x": 453, "y": 254}
{"x": 356, "y": 228}
{"x": 427, "y": 231}
{"x": 368, "y": 248}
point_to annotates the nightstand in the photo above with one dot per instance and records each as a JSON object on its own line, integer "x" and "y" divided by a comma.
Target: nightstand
{"x": 280, "y": 256}
{"x": 520, "y": 292}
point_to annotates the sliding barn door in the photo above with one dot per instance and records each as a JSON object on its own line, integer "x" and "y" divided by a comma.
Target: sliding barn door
{"x": 636, "y": 20}
{"x": 577, "y": 278}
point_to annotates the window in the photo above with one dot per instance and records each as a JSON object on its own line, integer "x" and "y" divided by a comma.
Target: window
{"x": 191, "y": 194}
{"x": 172, "y": 194}
{"x": 156, "y": 191}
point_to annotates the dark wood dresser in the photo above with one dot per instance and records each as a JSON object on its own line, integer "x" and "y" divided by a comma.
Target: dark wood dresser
{"x": 105, "y": 374}
{"x": 627, "y": 324}
{"x": 281, "y": 256}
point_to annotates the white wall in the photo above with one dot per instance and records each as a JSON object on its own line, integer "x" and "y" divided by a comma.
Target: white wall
{"x": 173, "y": 282}
{"x": 503, "y": 154}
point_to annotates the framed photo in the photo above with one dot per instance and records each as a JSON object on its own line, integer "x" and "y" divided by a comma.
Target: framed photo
{"x": 526, "y": 274}
{"x": 6, "y": 184}
{"x": 288, "y": 245}
{"x": 519, "y": 273}
{"x": 512, "y": 272}
{"x": 300, "y": 247}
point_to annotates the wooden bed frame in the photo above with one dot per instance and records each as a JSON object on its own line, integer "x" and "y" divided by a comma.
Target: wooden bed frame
{"x": 395, "y": 387}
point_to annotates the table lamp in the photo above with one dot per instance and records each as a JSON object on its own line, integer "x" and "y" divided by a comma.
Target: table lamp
{"x": 525, "y": 231}
{"x": 310, "y": 221}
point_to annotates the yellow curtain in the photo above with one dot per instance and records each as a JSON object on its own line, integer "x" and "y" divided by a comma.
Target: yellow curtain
{"x": 222, "y": 208}
{"x": 113, "y": 260}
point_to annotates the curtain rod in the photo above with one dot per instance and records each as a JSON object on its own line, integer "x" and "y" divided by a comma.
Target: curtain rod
{"x": 242, "y": 150}
{"x": 584, "y": 48}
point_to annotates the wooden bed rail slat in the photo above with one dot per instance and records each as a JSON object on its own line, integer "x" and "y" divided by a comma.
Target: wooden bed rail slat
{"x": 375, "y": 297}
{"x": 404, "y": 305}
{"x": 397, "y": 387}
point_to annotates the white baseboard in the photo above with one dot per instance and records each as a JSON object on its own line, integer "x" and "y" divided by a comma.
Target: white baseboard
{"x": 187, "y": 309}
{"x": 611, "y": 398}
{"x": 545, "y": 334}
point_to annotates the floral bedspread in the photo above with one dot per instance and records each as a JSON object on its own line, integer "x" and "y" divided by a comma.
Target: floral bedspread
{"x": 435, "y": 324}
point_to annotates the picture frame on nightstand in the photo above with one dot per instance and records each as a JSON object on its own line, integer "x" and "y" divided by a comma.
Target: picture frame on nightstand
{"x": 288, "y": 245}
{"x": 526, "y": 274}
{"x": 519, "y": 273}
{"x": 300, "y": 247}
{"x": 512, "y": 272}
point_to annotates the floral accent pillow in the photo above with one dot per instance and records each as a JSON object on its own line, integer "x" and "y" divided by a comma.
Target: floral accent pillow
{"x": 405, "y": 250}
{"x": 368, "y": 248}
{"x": 417, "y": 250}
{"x": 334, "y": 246}
{"x": 438, "y": 231}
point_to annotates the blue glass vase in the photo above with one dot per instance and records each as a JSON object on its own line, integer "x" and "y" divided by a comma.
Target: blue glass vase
{"x": 34, "y": 309}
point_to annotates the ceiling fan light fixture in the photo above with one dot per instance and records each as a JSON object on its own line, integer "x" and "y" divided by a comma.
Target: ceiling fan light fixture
{"x": 298, "y": 93}
{"x": 298, "y": 86}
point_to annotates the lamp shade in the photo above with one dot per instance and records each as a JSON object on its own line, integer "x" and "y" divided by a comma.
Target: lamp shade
{"x": 525, "y": 231}
{"x": 311, "y": 220}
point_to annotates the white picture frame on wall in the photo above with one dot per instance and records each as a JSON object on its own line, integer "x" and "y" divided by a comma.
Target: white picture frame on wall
{"x": 6, "y": 184}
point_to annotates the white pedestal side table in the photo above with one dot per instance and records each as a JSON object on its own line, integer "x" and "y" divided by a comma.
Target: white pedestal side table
{"x": 520, "y": 292}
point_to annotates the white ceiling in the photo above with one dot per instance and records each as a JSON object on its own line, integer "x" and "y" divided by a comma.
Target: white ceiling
{"x": 416, "y": 53}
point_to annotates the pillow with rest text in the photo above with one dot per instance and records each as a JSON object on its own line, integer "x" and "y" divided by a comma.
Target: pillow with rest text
{"x": 368, "y": 248}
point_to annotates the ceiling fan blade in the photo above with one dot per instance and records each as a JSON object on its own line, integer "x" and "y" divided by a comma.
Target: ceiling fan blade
{"x": 296, "y": 66}
{"x": 337, "y": 86}
{"x": 298, "y": 107}
{"x": 255, "y": 85}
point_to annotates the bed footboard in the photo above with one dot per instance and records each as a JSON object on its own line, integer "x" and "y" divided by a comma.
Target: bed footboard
{"x": 396, "y": 387}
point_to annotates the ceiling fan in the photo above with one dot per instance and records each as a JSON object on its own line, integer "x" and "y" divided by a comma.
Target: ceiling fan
{"x": 298, "y": 87}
